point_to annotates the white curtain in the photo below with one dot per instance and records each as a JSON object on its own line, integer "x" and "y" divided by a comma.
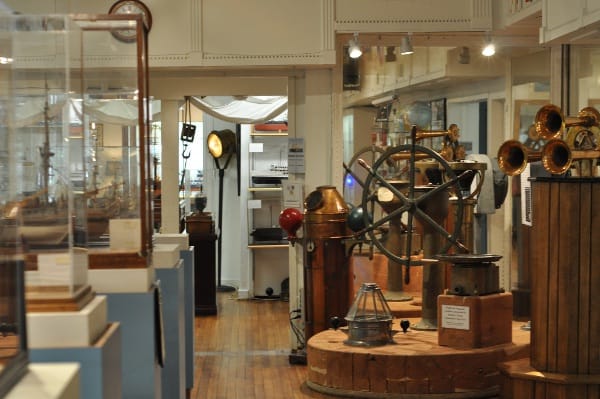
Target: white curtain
{"x": 244, "y": 109}
{"x": 30, "y": 111}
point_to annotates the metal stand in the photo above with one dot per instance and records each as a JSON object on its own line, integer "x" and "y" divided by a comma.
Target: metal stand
{"x": 220, "y": 287}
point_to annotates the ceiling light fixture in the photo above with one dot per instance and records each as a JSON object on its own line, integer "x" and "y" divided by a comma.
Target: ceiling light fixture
{"x": 489, "y": 49}
{"x": 406, "y": 47}
{"x": 354, "y": 50}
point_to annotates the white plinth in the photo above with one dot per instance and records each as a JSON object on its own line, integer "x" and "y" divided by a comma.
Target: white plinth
{"x": 48, "y": 381}
{"x": 67, "y": 329}
{"x": 182, "y": 240}
{"x": 165, "y": 256}
{"x": 121, "y": 280}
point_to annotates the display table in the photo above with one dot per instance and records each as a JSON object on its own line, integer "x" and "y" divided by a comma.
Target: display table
{"x": 100, "y": 365}
{"x": 414, "y": 366}
{"x": 139, "y": 314}
{"x": 186, "y": 253}
{"x": 48, "y": 381}
{"x": 173, "y": 305}
{"x": 85, "y": 337}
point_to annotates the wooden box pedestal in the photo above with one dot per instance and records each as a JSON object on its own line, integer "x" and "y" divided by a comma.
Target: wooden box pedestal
{"x": 474, "y": 321}
{"x": 522, "y": 381}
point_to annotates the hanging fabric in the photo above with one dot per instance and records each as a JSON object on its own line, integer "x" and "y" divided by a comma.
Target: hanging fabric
{"x": 244, "y": 109}
{"x": 188, "y": 132}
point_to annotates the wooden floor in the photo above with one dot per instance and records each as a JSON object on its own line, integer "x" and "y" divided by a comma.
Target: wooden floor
{"x": 243, "y": 352}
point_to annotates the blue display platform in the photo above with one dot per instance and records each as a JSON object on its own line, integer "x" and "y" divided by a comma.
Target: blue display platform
{"x": 188, "y": 289}
{"x": 141, "y": 341}
{"x": 173, "y": 307}
{"x": 100, "y": 364}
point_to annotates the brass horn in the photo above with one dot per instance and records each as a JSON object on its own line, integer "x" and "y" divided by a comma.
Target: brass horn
{"x": 433, "y": 133}
{"x": 513, "y": 157}
{"x": 550, "y": 121}
{"x": 430, "y": 134}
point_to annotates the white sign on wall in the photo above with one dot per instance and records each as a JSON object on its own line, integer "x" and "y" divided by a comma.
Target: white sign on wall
{"x": 296, "y": 155}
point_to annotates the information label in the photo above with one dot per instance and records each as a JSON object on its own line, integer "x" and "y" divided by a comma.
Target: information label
{"x": 456, "y": 317}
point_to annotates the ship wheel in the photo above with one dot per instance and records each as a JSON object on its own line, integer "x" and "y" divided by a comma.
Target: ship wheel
{"x": 355, "y": 177}
{"x": 410, "y": 203}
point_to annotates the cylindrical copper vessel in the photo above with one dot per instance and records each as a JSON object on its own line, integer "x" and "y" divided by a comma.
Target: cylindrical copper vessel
{"x": 327, "y": 277}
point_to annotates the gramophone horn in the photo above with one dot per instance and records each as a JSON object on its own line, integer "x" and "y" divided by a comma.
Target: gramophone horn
{"x": 513, "y": 157}
{"x": 550, "y": 121}
{"x": 556, "y": 156}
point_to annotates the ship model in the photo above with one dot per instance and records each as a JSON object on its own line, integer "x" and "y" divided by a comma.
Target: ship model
{"x": 102, "y": 203}
{"x": 40, "y": 218}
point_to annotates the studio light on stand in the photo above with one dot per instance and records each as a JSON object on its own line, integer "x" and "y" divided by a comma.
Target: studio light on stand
{"x": 222, "y": 146}
{"x": 354, "y": 50}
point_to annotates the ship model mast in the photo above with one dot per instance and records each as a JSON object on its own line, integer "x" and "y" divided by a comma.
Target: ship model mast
{"x": 45, "y": 152}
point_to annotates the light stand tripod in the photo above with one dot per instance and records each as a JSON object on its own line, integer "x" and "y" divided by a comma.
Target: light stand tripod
{"x": 221, "y": 143}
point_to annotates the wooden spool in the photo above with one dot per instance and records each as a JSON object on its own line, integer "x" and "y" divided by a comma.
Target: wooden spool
{"x": 565, "y": 249}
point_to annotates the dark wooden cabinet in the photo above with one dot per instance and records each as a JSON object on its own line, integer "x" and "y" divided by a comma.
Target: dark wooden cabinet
{"x": 202, "y": 237}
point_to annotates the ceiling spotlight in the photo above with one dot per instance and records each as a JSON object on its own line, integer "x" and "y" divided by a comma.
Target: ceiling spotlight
{"x": 354, "y": 50}
{"x": 489, "y": 49}
{"x": 406, "y": 47}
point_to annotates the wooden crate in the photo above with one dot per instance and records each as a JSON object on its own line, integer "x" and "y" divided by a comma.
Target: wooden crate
{"x": 474, "y": 321}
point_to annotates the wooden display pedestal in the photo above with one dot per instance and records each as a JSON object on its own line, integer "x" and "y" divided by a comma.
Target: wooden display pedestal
{"x": 57, "y": 298}
{"x": 475, "y": 321}
{"x": 523, "y": 381}
{"x": 414, "y": 366}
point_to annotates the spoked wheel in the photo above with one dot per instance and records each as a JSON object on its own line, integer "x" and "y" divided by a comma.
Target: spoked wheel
{"x": 411, "y": 201}
{"x": 354, "y": 175}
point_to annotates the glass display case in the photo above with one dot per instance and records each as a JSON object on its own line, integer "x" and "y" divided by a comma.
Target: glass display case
{"x": 42, "y": 231}
{"x": 42, "y": 168}
{"x": 115, "y": 114}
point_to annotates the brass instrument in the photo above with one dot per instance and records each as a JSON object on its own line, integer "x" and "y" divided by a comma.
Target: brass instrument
{"x": 421, "y": 135}
{"x": 430, "y": 134}
{"x": 556, "y": 156}
{"x": 550, "y": 121}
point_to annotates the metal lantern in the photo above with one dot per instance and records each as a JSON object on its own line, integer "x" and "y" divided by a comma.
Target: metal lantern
{"x": 369, "y": 318}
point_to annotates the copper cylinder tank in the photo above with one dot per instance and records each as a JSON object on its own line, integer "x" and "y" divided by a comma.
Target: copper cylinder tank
{"x": 327, "y": 277}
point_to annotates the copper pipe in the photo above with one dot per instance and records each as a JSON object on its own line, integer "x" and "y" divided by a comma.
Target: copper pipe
{"x": 405, "y": 155}
{"x": 431, "y": 134}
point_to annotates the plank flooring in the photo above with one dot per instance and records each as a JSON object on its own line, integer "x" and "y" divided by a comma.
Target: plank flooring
{"x": 242, "y": 353}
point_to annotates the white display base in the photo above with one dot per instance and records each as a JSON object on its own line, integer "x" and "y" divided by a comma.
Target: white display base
{"x": 67, "y": 329}
{"x": 121, "y": 280}
{"x": 165, "y": 256}
{"x": 48, "y": 381}
{"x": 182, "y": 240}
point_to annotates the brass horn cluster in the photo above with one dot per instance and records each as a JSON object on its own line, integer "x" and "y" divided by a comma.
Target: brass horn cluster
{"x": 556, "y": 155}
{"x": 550, "y": 122}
